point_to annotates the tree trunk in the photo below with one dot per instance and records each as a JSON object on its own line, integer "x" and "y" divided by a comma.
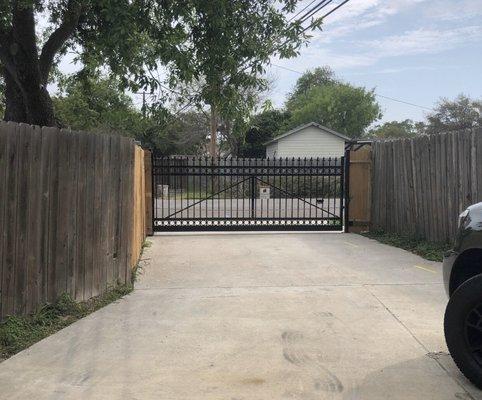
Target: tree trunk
{"x": 214, "y": 132}
{"x": 31, "y": 105}
{"x": 26, "y": 94}
{"x": 39, "y": 107}
{"x": 14, "y": 106}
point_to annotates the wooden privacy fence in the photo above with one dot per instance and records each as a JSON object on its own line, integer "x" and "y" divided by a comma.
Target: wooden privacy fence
{"x": 421, "y": 185}
{"x": 70, "y": 214}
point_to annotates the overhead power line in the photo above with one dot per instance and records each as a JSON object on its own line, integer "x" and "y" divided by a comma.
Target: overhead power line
{"x": 318, "y": 7}
{"x": 405, "y": 102}
{"x": 376, "y": 94}
{"x": 336, "y": 8}
{"x": 322, "y": 4}
{"x": 299, "y": 12}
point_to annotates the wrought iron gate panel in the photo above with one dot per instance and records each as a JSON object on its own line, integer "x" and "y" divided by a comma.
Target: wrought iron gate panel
{"x": 205, "y": 193}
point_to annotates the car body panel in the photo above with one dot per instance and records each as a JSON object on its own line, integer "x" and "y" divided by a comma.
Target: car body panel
{"x": 449, "y": 260}
{"x": 469, "y": 237}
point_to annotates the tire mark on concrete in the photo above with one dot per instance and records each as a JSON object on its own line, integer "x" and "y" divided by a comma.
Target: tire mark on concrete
{"x": 294, "y": 352}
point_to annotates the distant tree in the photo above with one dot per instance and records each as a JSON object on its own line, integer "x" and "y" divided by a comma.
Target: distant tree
{"x": 459, "y": 114}
{"x": 96, "y": 104}
{"x": 319, "y": 77}
{"x": 395, "y": 130}
{"x": 186, "y": 133}
{"x": 261, "y": 128}
{"x": 340, "y": 106}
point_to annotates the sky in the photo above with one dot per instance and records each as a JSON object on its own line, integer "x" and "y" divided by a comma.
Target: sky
{"x": 417, "y": 51}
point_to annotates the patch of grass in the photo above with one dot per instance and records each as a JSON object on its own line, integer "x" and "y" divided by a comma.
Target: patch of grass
{"x": 18, "y": 333}
{"x": 137, "y": 270}
{"x": 428, "y": 250}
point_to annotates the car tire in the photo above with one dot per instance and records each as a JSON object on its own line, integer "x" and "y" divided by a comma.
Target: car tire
{"x": 463, "y": 328}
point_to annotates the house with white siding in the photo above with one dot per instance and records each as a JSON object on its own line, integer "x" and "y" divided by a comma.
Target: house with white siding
{"x": 309, "y": 140}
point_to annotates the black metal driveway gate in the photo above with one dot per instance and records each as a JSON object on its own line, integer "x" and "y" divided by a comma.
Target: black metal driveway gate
{"x": 248, "y": 194}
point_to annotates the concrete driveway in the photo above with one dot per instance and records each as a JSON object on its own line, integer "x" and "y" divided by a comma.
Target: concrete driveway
{"x": 282, "y": 316}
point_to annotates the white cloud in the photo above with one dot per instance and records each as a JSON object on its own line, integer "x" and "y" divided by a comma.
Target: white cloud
{"x": 368, "y": 52}
{"x": 422, "y": 41}
{"x": 363, "y": 14}
{"x": 450, "y": 10}
{"x": 397, "y": 70}
{"x": 359, "y": 15}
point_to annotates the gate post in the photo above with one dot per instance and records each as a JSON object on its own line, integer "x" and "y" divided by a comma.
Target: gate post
{"x": 346, "y": 189}
{"x": 149, "y": 188}
{"x": 359, "y": 187}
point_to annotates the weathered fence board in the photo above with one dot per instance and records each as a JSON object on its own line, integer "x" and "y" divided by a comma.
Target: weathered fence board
{"x": 139, "y": 187}
{"x": 421, "y": 185}
{"x": 67, "y": 214}
{"x": 4, "y": 152}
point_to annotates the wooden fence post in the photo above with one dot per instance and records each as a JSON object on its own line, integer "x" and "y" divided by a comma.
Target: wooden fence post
{"x": 360, "y": 188}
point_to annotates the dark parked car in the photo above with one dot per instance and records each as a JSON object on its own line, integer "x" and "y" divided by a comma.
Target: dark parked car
{"x": 463, "y": 283}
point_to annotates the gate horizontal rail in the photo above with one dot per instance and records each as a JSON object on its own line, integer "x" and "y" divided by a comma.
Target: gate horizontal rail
{"x": 248, "y": 194}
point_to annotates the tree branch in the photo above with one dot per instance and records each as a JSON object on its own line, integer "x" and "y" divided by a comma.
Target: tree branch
{"x": 59, "y": 37}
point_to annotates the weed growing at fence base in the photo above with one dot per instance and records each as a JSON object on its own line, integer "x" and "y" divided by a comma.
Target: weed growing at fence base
{"x": 18, "y": 333}
{"x": 428, "y": 250}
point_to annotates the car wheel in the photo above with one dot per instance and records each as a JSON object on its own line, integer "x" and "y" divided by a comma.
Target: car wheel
{"x": 463, "y": 328}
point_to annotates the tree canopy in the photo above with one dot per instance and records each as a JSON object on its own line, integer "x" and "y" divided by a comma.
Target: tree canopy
{"x": 456, "y": 115}
{"x": 319, "y": 77}
{"x": 112, "y": 34}
{"x": 395, "y": 130}
{"x": 262, "y": 127}
{"x": 230, "y": 42}
{"x": 319, "y": 97}
{"x": 223, "y": 43}
{"x": 96, "y": 104}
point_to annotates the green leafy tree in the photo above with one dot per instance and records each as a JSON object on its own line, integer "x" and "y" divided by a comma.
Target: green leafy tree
{"x": 230, "y": 43}
{"x": 114, "y": 34}
{"x": 186, "y": 134}
{"x": 395, "y": 130}
{"x": 459, "y": 114}
{"x": 340, "y": 106}
{"x": 96, "y": 104}
{"x": 319, "y": 77}
{"x": 222, "y": 43}
{"x": 262, "y": 127}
